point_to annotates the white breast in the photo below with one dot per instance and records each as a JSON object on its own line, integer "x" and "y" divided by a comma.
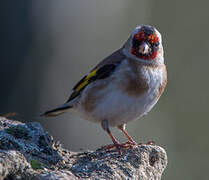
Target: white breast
{"x": 119, "y": 107}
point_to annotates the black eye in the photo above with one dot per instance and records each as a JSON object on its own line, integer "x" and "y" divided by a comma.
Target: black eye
{"x": 156, "y": 44}
{"x": 135, "y": 43}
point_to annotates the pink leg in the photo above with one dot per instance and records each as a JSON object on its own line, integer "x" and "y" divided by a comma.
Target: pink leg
{"x": 116, "y": 143}
{"x": 130, "y": 139}
{"x": 131, "y": 142}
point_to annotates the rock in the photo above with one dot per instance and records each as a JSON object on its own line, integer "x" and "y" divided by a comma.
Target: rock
{"x": 29, "y": 152}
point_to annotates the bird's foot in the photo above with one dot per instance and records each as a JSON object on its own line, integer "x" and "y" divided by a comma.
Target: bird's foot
{"x": 114, "y": 146}
{"x": 127, "y": 145}
{"x": 119, "y": 147}
{"x": 131, "y": 144}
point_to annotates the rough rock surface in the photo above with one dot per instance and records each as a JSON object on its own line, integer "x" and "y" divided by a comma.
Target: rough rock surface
{"x": 29, "y": 152}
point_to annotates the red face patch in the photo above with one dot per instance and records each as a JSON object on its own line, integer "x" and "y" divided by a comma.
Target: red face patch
{"x": 151, "y": 39}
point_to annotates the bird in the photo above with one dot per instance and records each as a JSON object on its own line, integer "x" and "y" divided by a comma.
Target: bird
{"x": 122, "y": 87}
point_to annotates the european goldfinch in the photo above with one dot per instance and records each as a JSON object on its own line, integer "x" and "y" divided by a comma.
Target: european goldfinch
{"x": 122, "y": 87}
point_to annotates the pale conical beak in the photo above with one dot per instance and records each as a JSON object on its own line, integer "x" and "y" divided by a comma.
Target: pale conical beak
{"x": 144, "y": 48}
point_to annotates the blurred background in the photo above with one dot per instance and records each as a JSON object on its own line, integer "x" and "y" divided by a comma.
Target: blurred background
{"x": 47, "y": 46}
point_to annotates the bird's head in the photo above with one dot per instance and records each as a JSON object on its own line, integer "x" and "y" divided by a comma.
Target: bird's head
{"x": 144, "y": 44}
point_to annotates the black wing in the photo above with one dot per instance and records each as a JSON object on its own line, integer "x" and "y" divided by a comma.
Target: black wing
{"x": 100, "y": 73}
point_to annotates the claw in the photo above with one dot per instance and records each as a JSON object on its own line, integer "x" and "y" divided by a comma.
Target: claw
{"x": 120, "y": 147}
{"x": 117, "y": 147}
{"x": 131, "y": 144}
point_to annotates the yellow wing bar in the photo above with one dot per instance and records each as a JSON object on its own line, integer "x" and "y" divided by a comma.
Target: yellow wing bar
{"x": 85, "y": 81}
{"x": 98, "y": 73}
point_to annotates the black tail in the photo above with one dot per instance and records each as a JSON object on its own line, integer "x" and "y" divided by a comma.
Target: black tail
{"x": 55, "y": 112}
